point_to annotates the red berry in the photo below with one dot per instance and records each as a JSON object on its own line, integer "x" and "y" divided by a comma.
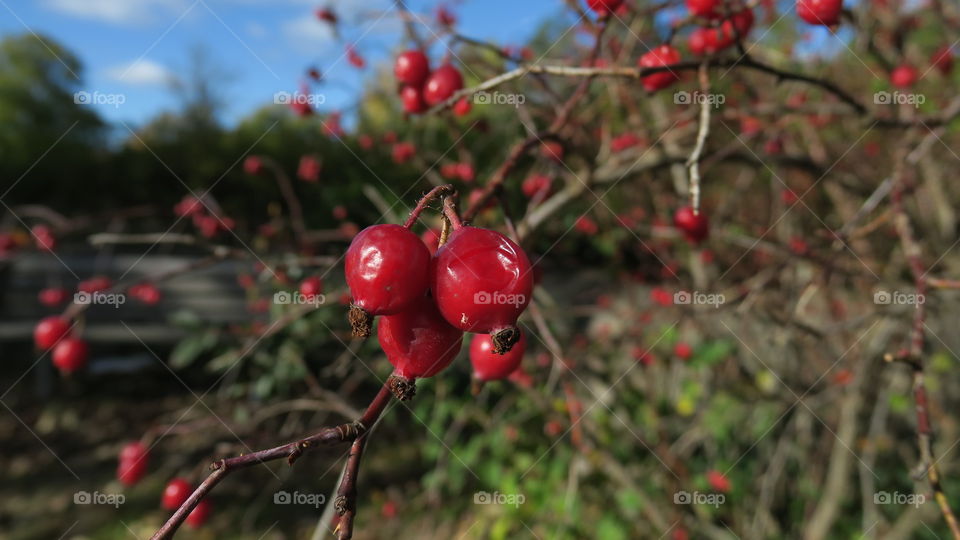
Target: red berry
{"x": 942, "y": 59}
{"x": 586, "y": 225}
{"x": 537, "y": 185}
{"x": 683, "y": 350}
{"x": 820, "y": 12}
{"x": 695, "y": 227}
{"x": 177, "y": 491}
{"x": 445, "y": 17}
{"x": 412, "y": 99}
{"x": 354, "y": 58}
{"x": 339, "y": 212}
{"x": 387, "y": 269}
{"x": 312, "y": 286}
{"x": 718, "y": 481}
{"x": 252, "y": 165}
{"x": 132, "y": 464}
{"x": 412, "y": 68}
{"x": 488, "y": 366}
{"x": 604, "y": 7}
{"x": 699, "y": 41}
{"x": 49, "y": 331}
{"x": 904, "y": 76}
{"x": 442, "y": 84}
{"x": 738, "y": 24}
{"x": 465, "y": 172}
{"x": 198, "y": 516}
{"x": 53, "y": 297}
{"x": 703, "y": 8}
{"x": 309, "y": 169}
{"x": 43, "y": 236}
{"x": 402, "y": 152}
{"x": 148, "y": 293}
{"x": 462, "y": 107}
{"x": 482, "y": 282}
{"x": 663, "y": 55}
{"x": 418, "y": 341}
{"x": 327, "y": 15}
{"x": 552, "y": 150}
{"x": 70, "y": 354}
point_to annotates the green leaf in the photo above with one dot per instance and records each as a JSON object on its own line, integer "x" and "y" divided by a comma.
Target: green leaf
{"x": 189, "y": 349}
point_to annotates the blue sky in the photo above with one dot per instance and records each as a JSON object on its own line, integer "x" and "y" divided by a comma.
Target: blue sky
{"x": 132, "y": 47}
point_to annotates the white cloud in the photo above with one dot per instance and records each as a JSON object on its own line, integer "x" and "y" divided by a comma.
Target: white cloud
{"x": 116, "y": 11}
{"x": 308, "y": 31}
{"x": 142, "y": 73}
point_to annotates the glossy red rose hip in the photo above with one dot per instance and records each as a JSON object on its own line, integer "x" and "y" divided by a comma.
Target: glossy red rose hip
{"x": 49, "y": 331}
{"x": 199, "y": 515}
{"x": 132, "y": 463}
{"x": 604, "y": 7}
{"x": 411, "y": 68}
{"x": 387, "y": 268}
{"x": 482, "y": 282}
{"x": 663, "y": 55}
{"x": 176, "y": 492}
{"x": 820, "y": 12}
{"x": 489, "y": 366}
{"x": 695, "y": 227}
{"x": 418, "y": 341}
{"x": 70, "y": 354}
{"x": 442, "y": 84}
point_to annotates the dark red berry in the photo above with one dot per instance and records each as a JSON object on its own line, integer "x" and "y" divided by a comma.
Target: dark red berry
{"x": 703, "y": 8}
{"x": 312, "y": 286}
{"x": 199, "y": 515}
{"x": 412, "y": 68}
{"x": 387, "y": 269}
{"x": 942, "y": 59}
{"x": 604, "y": 7}
{"x": 462, "y": 107}
{"x": 177, "y": 491}
{"x": 663, "y": 55}
{"x": 252, "y": 165}
{"x": 418, "y": 341}
{"x": 49, "y": 331}
{"x": 442, "y": 84}
{"x": 489, "y": 366}
{"x": 482, "y": 282}
{"x": 44, "y": 238}
{"x": 694, "y": 227}
{"x": 412, "y": 99}
{"x": 148, "y": 293}
{"x": 70, "y": 354}
{"x": 820, "y": 12}
{"x": 132, "y": 465}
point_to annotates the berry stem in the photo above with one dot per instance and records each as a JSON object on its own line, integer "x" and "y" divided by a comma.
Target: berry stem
{"x": 450, "y": 211}
{"x": 291, "y": 452}
{"x": 346, "y": 502}
{"x": 434, "y": 193}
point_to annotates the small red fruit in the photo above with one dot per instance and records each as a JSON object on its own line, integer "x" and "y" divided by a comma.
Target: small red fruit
{"x": 482, "y": 282}
{"x": 53, "y": 297}
{"x": 327, "y": 15}
{"x": 683, "y": 350}
{"x": 718, "y": 481}
{"x": 252, "y": 165}
{"x": 132, "y": 465}
{"x": 695, "y": 227}
{"x": 904, "y": 76}
{"x": 604, "y": 7}
{"x": 703, "y": 8}
{"x": 198, "y": 516}
{"x": 312, "y": 286}
{"x": 148, "y": 293}
{"x": 552, "y": 150}
{"x": 43, "y": 236}
{"x": 418, "y": 342}
{"x": 663, "y": 55}
{"x": 70, "y": 354}
{"x": 820, "y": 12}
{"x": 537, "y": 185}
{"x": 412, "y": 68}
{"x": 177, "y": 491}
{"x": 412, "y": 99}
{"x": 309, "y": 169}
{"x": 402, "y": 152}
{"x": 387, "y": 269}
{"x": 462, "y": 107}
{"x": 699, "y": 41}
{"x": 942, "y": 59}
{"x": 49, "y": 331}
{"x": 489, "y": 366}
{"x": 442, "y": 84}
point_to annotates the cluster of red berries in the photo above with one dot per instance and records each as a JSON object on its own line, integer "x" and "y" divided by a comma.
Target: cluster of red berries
{"x": 421, "y": 88}
{"x": 479, "y": 281}
{"x": 725, "y": 25}
{"x": 132, "y": 467}
{"x": 208, "y": 223}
